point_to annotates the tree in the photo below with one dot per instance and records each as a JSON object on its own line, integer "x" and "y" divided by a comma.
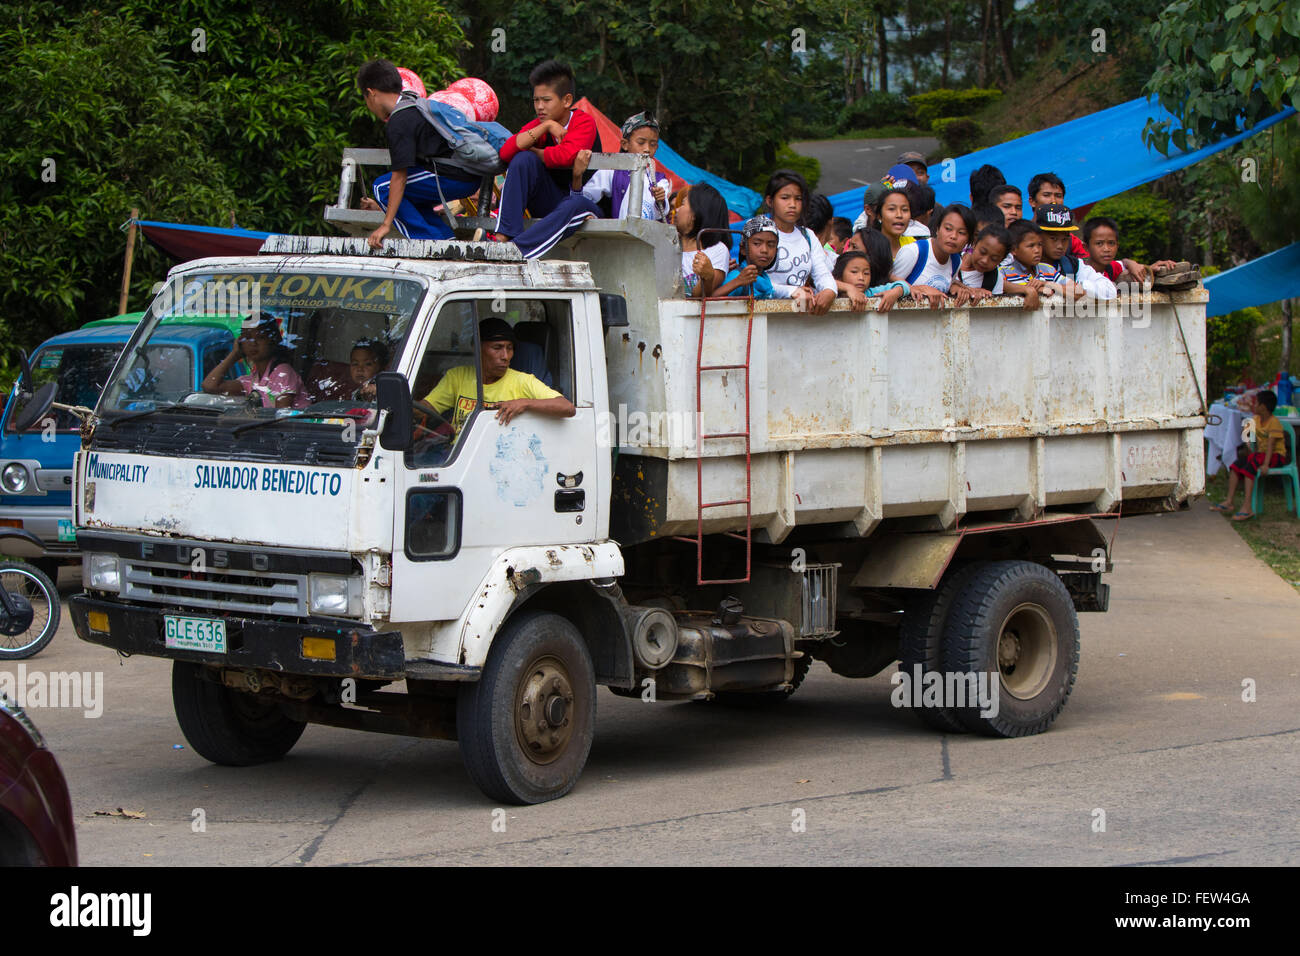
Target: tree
{"x": 197, "y": 111}
{"x": 1223, "y": 65}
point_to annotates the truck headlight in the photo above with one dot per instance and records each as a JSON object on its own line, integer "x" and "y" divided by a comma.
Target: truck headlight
{"x": 101, "y": 572}
{"x": 14, "y": 478}
{"x": 335, "y": 594}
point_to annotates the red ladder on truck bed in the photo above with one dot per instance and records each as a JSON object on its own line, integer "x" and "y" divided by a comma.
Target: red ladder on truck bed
{"x": 700, "y": 503}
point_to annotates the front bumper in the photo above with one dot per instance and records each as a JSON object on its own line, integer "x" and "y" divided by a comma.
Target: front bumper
{"x": 250, "y": 642}
{"x": 43, "y": 523}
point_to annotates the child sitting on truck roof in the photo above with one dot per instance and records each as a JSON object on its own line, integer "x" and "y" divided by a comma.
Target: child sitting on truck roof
{"x": 540, "y": 156}
{"x": 411, "y": 188}
{"x": 759, "y": 241}
{"x": 640, "y": 135}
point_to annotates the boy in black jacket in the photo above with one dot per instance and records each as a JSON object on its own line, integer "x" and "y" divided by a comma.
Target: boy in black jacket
{"x": 409, "y": 192}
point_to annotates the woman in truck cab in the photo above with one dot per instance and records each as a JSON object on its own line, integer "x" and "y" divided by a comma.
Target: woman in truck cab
{"x": 272, "y": 378}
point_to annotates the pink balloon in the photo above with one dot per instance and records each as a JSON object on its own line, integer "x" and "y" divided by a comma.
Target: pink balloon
{"x": 480, "y": 94}
{"x": 455, "y": 100}
{"x": 410, "y": 81}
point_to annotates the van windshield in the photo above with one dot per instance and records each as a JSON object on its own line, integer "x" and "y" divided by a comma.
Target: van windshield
{"x": 79, "y": 371}
{"x": 268, "y": 345}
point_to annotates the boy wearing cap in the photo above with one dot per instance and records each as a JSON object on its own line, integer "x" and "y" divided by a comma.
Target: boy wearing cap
{"x": 640, "y": 135}
{"x": 540, "y": 156}
{"x": 410, "y": 190}
{"x": 507, "y": 390}
{"x": 1056, "y": 223}
{"x": 758, "y": 244}
{"x": 917, "y": 162}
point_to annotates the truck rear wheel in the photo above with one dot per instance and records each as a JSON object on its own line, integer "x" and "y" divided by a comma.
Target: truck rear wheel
{"x": 920, "y": 643}
{"x": 1015, "y": 622}
{"x": 526, "y": 726}
{"x": 226, "y": 726}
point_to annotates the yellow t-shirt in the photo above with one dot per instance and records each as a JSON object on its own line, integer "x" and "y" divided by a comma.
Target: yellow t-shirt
{"x": 459, "y": 390}
{"x": 1270, "y": 437}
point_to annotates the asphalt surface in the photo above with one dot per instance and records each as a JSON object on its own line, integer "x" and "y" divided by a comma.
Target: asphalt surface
{"x": 848, "y": 163}
{"x": 1156, "y": 735}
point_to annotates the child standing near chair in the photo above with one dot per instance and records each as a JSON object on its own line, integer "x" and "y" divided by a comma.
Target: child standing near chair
{"x": 1271, "y": 452}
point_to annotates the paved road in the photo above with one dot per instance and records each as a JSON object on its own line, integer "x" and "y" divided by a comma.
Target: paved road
{"x": 1156, "y": 735}
{"x": 848, "y": 163}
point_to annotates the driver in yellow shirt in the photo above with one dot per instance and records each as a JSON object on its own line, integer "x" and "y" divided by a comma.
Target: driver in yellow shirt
{"x": 507, "y": 390}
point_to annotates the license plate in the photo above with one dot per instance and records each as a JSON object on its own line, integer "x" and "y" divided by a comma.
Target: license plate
{"x": 67, "y": 530}
{"x": 195, "y": 634}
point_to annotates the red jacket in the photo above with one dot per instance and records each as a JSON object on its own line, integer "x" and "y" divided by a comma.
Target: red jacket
{"x": 581, "y": 134}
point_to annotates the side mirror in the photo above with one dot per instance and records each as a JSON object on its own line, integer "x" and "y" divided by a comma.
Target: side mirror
{"x": 34, "y": 410}
{"x": 393, "y": 395}
{"x": 25, "y": 379}
{"x": 613, "y": 311}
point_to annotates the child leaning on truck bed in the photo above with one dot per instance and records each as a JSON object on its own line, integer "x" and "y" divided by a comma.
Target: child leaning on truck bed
{"x": 540, "y": 157}
{"x": 758, "y": 245}
{"x": 410, "y": 190}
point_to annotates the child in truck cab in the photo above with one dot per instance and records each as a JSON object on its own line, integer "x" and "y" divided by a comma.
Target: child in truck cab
{"x": 409, "y": 191}
{"x": 758, "y": 245}
{"x": 507, "y": 391}
{"x": 368, "y": 358}
{"x": 540, "y": 157}
{"x": 272, "y": 379}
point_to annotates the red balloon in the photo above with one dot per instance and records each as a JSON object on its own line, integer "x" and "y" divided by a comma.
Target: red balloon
{"x": 480, "y": 94}
{"x": 455, "y": 99}
{"x": 410, "y": 81}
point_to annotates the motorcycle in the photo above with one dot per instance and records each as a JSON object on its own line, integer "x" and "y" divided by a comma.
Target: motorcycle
{"x": 29, "y": 606}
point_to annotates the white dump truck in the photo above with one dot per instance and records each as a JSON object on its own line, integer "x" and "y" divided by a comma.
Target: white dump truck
{"x": 743, "y": 489}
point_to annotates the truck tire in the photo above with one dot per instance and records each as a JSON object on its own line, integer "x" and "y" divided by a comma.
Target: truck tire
{"x": 1015, "y": 621}
{"x": 920, "y": 643}
{"x": 526, "y": 726}
{"x": 767, "y": 698}
{"x": 226, "y": 726}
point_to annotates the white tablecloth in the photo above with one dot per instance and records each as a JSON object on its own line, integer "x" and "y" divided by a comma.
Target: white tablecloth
{"x": 1222, "y": 439}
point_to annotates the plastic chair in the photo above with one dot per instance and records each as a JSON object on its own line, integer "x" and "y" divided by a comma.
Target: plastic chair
{"x": 1289, "y": 474}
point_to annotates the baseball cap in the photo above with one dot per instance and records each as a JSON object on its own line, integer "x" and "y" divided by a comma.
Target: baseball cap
{"x": 493, "y": 329}
{"x": 900, "y": 172}
{"x": 1054, "y": 217}
{"x": 911, "y": 157}
{"x": 756, "y": 225}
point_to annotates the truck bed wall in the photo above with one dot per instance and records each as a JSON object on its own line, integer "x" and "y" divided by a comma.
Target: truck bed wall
{"x": 855, "y": 418}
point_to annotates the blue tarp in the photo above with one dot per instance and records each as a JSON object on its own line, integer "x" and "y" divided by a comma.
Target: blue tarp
{"x": 1097, "y": 156}
{"x": 739, "y": 200}
{"x": 1269, "y": 278}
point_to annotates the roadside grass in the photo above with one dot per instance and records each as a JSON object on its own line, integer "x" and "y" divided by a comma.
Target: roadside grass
{"x": 1274, "y": 534}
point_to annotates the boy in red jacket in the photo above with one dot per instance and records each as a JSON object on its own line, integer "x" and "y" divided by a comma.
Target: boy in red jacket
{"x": 541, "y": 156}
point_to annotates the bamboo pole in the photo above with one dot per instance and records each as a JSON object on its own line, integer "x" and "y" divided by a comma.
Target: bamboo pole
{"x": 126, "y": 263}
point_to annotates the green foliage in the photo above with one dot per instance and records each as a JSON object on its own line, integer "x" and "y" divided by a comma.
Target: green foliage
{"x": 135, "y": 111}
{"x": 941, "y": 103}
{"x": 1270, "y": 205}
{"x": 1143, "y": 223}
{"x": 1228, "y": 341}
{"x": 786, "y": 158}
{"x": 957, "y": 135}
{"x": 876, "y": 109}
{"x": 1219, "y": 65}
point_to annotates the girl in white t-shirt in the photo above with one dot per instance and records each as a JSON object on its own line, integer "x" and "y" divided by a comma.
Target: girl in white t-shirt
{"x": 799, "y": 255}
{"x": 705, "y": 258}
{"x": 934, "y": 278}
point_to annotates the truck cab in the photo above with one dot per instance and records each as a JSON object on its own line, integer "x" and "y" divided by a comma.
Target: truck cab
{"x": 36, "y": 464}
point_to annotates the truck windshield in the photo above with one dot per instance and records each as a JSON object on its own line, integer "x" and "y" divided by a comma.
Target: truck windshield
{"x": 267, "y": 345}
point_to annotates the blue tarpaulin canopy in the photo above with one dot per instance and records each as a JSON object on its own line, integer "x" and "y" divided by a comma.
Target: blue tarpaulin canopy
{"x": 1098, "y": 155}
{"x": 739, "y": 200}
{"x": 1269, "y": 278}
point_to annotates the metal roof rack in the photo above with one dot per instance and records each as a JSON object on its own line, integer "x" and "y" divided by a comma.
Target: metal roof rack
{"x": 392, "y": 248}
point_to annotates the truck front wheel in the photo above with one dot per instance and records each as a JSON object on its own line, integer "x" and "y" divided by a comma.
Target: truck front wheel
{"x": 1014, "y": 628}
{"x": 226, "y": 726}
{"x": 525, "y": 727}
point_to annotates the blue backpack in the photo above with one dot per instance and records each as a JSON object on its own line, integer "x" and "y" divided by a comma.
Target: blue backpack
{"x": 923, "y": 257}
{"x": 475, "y": 147}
